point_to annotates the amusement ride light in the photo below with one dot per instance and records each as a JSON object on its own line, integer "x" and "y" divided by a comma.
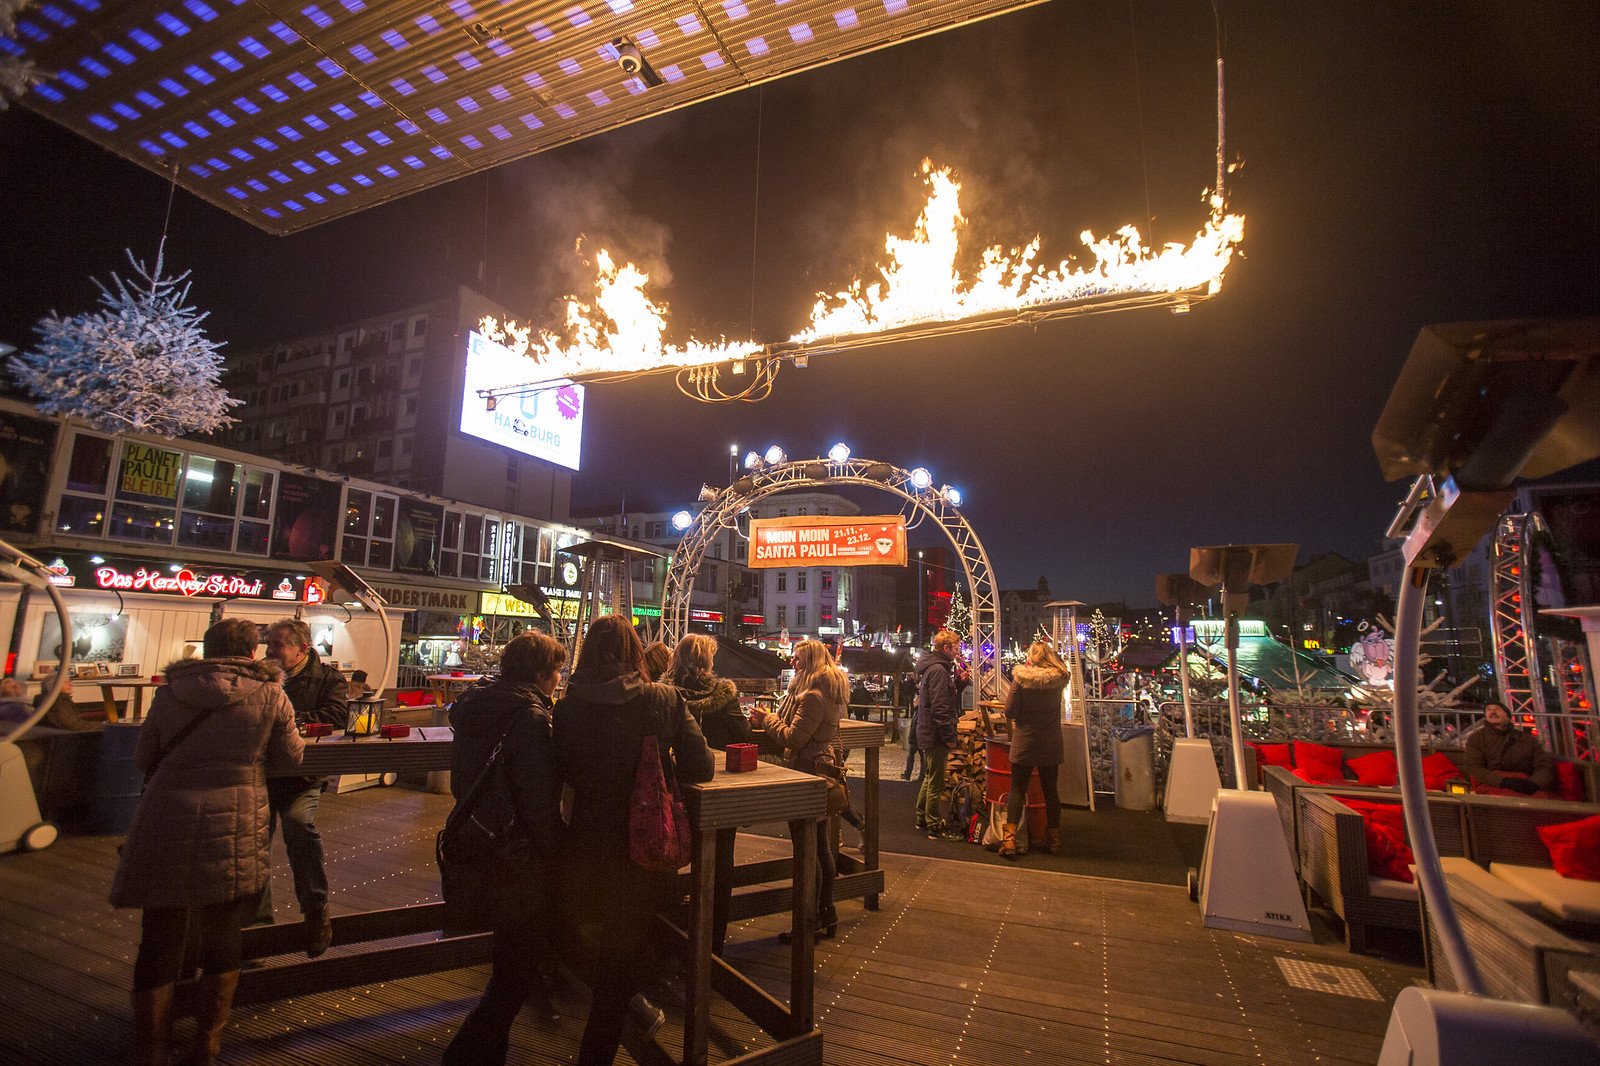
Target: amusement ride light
{"x": 776, "y": 456}
{"x": 839, "y": 453}
{"x": 921, "y": 479}
{"x": 752, "y": 461}
{"x": 682, "y": 520}
{"x": 951, "y": 496}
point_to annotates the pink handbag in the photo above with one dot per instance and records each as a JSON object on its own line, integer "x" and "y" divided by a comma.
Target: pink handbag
{"x": 658, "y": 827}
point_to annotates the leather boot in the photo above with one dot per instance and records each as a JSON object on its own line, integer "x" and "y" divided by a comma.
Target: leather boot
{"x": 152, "y": 1025}
{"x": 319, "y": 931}
{"x": 213, "y": 1002}
{"x": 1008, "y": 841}
{"x": 1052, "y": 842}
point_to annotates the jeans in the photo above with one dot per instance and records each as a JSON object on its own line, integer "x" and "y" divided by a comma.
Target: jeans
{"x": 162, "y": 929}
{"x": 930, "y": 797}
{"x": 482, "y": 1039}
{"x": 1018, "y": 797}
{"x": 296, "y": 804}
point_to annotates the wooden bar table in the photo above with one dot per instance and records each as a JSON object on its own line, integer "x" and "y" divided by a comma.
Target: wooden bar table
{"x": 109, "y": 699}
{"x": 427, "y": 748}
{"x": 716, "y": 810}
{"x": 446, "y": 687}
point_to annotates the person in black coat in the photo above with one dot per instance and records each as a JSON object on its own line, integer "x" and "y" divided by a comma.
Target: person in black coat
{"x": 938, "y": 715}
{"x": 1033, "y": 706}
{"x": 512, "y": 709}
{"x": 600, "y": 723}
{"x": 713, "y": 702}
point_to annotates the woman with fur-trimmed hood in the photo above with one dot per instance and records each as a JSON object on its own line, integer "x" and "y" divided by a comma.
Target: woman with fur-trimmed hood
{"x": 713, "y": 702}
{"x": 1034, "y": 707}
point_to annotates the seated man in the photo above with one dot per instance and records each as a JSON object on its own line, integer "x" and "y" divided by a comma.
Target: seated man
{"x": 13, "y": 707}
{"x": 63, "y": 713}
{"x": 1502, "y": 759}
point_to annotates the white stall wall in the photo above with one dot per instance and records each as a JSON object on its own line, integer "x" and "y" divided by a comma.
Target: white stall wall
{"x": 356, "y": 644}
{"x": 159, "y": 627}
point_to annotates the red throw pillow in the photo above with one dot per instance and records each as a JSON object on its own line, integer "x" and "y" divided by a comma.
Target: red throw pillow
{"x": 1388, "y": 854}
{"x": 1438, "y": 771}
{"x": 1319, "y": 760}
{"x": 1275, "y": 754}
{"x": 1574, "y": 847}
{"x": 1569, "y": 781}
{"x": 1379, "y": 768}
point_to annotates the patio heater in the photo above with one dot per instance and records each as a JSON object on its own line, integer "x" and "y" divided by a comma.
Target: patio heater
{"x": 1192, "y": 778}
{"x": 1247, "y": 881}
{"x": 1065, "y": 612}
{"x": 1477, "y": 405}
{"x": 339, "y": 576}
{"x": 20, "y": 822}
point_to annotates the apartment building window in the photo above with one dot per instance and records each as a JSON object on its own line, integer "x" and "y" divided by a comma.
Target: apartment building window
{"x": 800, "y": 510}
{"x": 783, "y": 512}
{"x": 800, "y": 616}
{"x": 343, "y": 380}
{"x": 410, "y": 407}
{"x": 783, "y": 581}
{"x": 739, "y": 551}
{"x": 339, "y": 417}
{"x": 827, "y": 581}
{"x": 782, "y": 616}
{"x": 658, "y": 529}
{"x": 800, "y": 580}
{"x": 405, "y": 445}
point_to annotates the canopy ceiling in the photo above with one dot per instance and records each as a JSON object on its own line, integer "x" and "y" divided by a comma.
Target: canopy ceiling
{"x": 287, "y": 113}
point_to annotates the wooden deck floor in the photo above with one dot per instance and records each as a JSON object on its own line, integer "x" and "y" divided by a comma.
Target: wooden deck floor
{"x": 965, "y": 963}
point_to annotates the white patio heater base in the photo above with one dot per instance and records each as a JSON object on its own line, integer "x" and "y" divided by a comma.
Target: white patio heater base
{"x": 1247, "y": 884}
{"x": 1192, "y": 781}
{"x": 1433, "y": 1028}
{"x": 20, "y": 826}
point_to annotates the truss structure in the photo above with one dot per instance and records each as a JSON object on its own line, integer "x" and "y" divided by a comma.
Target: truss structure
{"x": 1571, "y": 660}
{"x": 725, "y": 510}
{"x": 1516, "y": 646}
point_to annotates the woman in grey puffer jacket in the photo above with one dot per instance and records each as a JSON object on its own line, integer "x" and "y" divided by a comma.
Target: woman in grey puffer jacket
{"x": 1034, "y": 707}
{"x": 198, "y": 844}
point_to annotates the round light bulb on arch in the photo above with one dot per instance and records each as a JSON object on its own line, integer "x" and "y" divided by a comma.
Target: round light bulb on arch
{"x": 921, "y": 479}
{"x": 839, "y": 453}
{"x": 752, "y": 460}
{"x": 776, "y": 455}
{"x": 682, "y": 520}
{"x": 951, "y": 495}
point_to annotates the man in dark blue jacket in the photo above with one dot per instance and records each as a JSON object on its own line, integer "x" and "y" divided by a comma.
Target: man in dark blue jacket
{"x": 938, "y": 711}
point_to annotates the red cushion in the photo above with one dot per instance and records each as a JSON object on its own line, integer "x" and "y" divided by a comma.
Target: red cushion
{"x": 1319, "y": 760}
{"x": 1378, "y": 768}
{"x": 1438, "y": 771}
{"x": 1574, "y": 847}
{"x": 1275, "y": 754}
{"x": 1569, "y": 781}
{"x": 1388, "y": 855}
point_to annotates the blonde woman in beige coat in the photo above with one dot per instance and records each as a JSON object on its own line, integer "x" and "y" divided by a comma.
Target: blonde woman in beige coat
{"x": 197, "y": 848}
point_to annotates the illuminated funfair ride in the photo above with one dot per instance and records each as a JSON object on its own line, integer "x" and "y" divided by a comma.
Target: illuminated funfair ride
{"x": 774, "y": 472}
{"x": 1477, "y": 405}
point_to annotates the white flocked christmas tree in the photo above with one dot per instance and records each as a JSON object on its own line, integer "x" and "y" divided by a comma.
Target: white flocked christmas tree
{"x": 141, "y": 363}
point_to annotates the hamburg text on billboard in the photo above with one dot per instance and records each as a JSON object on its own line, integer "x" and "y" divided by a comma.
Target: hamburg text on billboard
{"x": 811, "y": 541}
{"x": 547, "y": 424}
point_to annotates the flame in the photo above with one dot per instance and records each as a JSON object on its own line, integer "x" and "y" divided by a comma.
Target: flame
{"x": 621, "y": 330}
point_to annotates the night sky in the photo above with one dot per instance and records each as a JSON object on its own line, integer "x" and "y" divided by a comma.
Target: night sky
{"x": 1399, "y": 168}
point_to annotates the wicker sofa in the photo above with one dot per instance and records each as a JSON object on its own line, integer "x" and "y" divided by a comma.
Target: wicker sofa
{"x": 1519, "y": 957}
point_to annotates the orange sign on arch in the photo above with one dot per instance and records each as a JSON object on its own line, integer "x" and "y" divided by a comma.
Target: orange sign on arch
{"x": 810, "y": 540}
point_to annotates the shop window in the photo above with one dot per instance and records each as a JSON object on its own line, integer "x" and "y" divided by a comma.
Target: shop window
{"x": 450, "y": 544}
{"x": 783, "y": 581}
{"x": 210, "y": 501}
{"x": 800, "y": 580}
{"x": 87, "y": 472}
{"x": 81, "y": 516}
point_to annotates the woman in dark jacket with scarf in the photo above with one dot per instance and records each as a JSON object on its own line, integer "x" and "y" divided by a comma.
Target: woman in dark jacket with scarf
{"x": 600, "y": 724}
{"x": 713, "y": 702}
{"x": 818, "y": 695}
{"x": 1034, "y": 707}
{"x": 512, "y": 709}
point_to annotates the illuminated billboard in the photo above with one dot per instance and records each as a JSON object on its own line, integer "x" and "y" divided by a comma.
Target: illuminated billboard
{"x": 821, "y": 541}
{"x": 547, "y": 424}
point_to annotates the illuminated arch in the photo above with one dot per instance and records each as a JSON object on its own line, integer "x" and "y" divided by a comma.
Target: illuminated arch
{"x": 723, "y": 510}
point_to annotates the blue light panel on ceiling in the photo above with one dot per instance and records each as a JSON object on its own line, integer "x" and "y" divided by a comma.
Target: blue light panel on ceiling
{"x": 500, "y": 48}
{"x": 438, "y": 116}
{"x": 343, "y": 111}
{"x": 152, "y": 147}
{"x": 87, "y": 5}
{"x": 533, "y": 122}
{"x": 125, "y": 111}
{"x": 270, "y": 213}
{"x": 735, "y": 8}
{"x": 258, "y": 186}
{"x": 500, "y": 132}
{"x": 217, "y": 164}
{"x": 240, "y": 154}
{"x": 371, "y": 99}
{"x": 149, "y": 99}
{"x": 236, "y": 192}
{"x": 337, "y": 189}
{"x": 563, "y": 110}
{"x": 393, "y": 39}
{"x": 389, "y": 172}
{"x": 570, "y": 67}
{"x": 413, "y": 162}
{"x": 254, "y": 47}
{"x": 846, "y": 19}
{"x": 317, "y": 15}
{"x": 405, "y": 125}
{"x": 577, "y": 16}
{"x": 303, "y": 167}
{"x": 800, "y": 33}
{"x": 427, "y": 24}
{"x": 672, "y": 72}
{"x": 757, "y": 46}
{"x": 463, "y": 10}
{"x": 119, "y": 53}
{"x": 472, "y": 142}
{"x": 264, "y": 144}
{"x": 434, "y": 74}
{"x": 633, "y": 85}
{"x": 200, "y": 10}
{"x": 58, "y": 16}
{"x": 532, "y": 80}
{"x": 441, "y": 151}
{"x": 304, "y": 83}
{"x": 402, "y": 86}
{"x": 620, "y": 6}
{"x": 361, "y": 179}
{"x": 226, "y": 61}
{"x": 648, "y": 39}
{"x": 352, "y": 147}
{"x": 247, "y": 106}
{"x": 274, "y": 93}
{"x": 598, "y": 98}
{"x": 316, "y": 198}
{"x": 467, "y": 60}
{"x": 198, "y": 74}
{"x": 173, "y": 87}
{"x": 289, "y": 133}
{"x": 283, "y": 33}
{"x": 199, "y": 171}
{"x": 95, "y": 67}
{"x": 220, "y": 118}
{"x": 500, "y": 92}
{"x": 34, "y": 33}
{"x": 199, "y": 131}
{"x": 380, "y": 137}
{"x": 362, "y": 53}
{"x": 467, "y": 104}
{"x": 293, "y": 205}
{"x": 103, "y": 122}
{"x": 540, "y": 31}
{"x": 353, "y": 6}
{"x": 314, "y": 122}
{"x": 330, "y": 68}
{"x": 173, "y": 139}
{"x": 173, "y": 25}
{"x": 711, "y": 60}
{"x": 143, "y": 40}
{"x": 71, "y": 79}
{"x": 894, "y": 7}
{"x": 328, "y": 158}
